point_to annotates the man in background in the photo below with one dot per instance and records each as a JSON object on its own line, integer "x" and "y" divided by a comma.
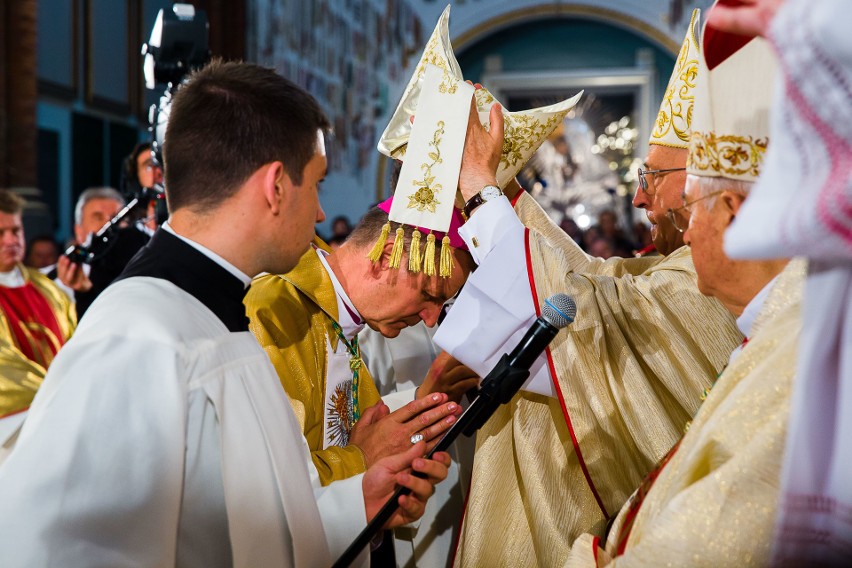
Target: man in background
{"x": 616, "y": 388}
{"x": 164, "y": 437}
{"x": 85, "y": 281}
{"x": 36, "y": 319}
{"x": 42, "y": 252}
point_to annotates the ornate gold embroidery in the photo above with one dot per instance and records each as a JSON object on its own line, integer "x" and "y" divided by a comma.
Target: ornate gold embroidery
{"x": 728, "y": 154}
{"x": 432, "y": 55}
{"x": 484, "y": 99}
{"x": 448, "y": 85}
{"x": 522, "y": 132}
{"x": 424, "y": 197}
{"x": 676, "y": 111}
{"x": 340, "y": 413}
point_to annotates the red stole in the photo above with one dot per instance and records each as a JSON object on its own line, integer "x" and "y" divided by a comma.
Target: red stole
{"x": 33, "y": 323}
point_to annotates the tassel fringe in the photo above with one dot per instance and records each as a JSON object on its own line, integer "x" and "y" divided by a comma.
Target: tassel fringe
{"x": 446, "y": 258}
{"x": 376, "y": 252}
{"x": 429, "y": 256}
{"x": 396, "y": 251}
{"x": 415, "y": 260}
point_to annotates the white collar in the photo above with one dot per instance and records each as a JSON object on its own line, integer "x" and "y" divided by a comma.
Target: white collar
{"x": 344, "y": 317}
{"x": 244, "y": 278}
{"x": 746, "y": 320}
{"x": 12, "y": 279}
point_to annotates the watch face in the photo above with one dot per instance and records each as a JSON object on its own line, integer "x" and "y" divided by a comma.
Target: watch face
{"x": 490, "y": 192}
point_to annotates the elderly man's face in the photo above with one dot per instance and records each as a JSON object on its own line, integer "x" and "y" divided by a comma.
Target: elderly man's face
{"x": 708, "y": 220}
{"x": 96, "y": 213}
{"x": 664, "y": 192}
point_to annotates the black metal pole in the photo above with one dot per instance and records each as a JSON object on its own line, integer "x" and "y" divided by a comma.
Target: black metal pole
{"x": 498, "y": 387}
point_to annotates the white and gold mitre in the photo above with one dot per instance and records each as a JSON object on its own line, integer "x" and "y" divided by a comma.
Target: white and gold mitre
{"x": 674, "y": 121}
{"x": 524, "y": 131}
{"x": 733, "y": 95}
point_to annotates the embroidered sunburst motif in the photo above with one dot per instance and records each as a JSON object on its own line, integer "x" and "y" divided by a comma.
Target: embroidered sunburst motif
{"x": 340, "y": 408}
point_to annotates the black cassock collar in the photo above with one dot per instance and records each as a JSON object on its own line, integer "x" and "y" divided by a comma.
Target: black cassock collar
{"x": 169, "y": 258}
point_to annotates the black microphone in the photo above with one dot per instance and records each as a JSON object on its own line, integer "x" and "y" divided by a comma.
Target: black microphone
{"x": 497, "y": 388}
{"x": 558, "y": 311}
{"x": 512, "y": 370}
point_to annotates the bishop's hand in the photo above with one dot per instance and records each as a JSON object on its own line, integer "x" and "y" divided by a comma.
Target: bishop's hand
{"x": 380, "y": 433}
{"x": 482, "y": 151}
{"x": 449, "y": 376}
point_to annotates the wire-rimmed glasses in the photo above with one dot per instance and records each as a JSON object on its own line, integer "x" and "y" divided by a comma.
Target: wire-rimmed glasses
{"x": 643, "y": 183}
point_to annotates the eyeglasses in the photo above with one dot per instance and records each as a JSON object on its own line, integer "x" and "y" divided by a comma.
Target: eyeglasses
{"x": 676, "y": 217}
{"x": 643, "y": 183}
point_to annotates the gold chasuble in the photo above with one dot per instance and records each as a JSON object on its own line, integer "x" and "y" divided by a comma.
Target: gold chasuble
{"x": 714, "y": 502}
{"x": 36, "y": 319}
{"x": 630, "y": 372}
{"x": 293, "y": 317}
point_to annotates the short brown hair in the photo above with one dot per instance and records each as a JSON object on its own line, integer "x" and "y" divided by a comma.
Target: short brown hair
{"x": 229, "y": 119}
{"x": 369, "y": 228}
{"x": 11, "y": 203}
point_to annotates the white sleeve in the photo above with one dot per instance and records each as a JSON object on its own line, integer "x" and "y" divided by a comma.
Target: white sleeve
{"x": 341, "y": 507}
{"x": 495, "y": 308}
{"x": 93, "y": 481}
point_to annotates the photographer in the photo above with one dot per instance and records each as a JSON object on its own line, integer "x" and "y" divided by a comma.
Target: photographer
{"x": 95, "y": 207}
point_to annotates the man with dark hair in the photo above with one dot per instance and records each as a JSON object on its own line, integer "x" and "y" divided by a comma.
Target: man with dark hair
{"x": 36, "y": 319}
{"x": 163, "y": 437}
{"x": 140, "y": 168}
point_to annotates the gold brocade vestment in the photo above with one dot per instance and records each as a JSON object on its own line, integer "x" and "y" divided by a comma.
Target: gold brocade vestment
{"x": 291, "y": 315}
{"x": 630, "y": 371}
{"x": 714, "y": 502}
{"x": 20, "y": 377}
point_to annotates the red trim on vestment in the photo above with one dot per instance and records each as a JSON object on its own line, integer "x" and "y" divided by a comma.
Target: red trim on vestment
{"x": 518, "y": 195}
{"x": 596, "y": 542}
{"x": 645, "y": 250}
{"x": 14, "y": 412}
{"x": 556, "y": 383}
{"x": 461, "y": 524}
{"x": 33, "y": 323}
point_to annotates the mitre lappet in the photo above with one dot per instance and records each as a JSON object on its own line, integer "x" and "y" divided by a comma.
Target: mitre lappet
{"x": 431, "y": 150}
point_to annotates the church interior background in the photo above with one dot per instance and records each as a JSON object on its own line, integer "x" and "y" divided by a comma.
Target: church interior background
{"x": 73, "y": 102}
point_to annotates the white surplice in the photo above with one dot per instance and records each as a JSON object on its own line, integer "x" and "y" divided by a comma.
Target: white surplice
{"x": 159, "y": 438}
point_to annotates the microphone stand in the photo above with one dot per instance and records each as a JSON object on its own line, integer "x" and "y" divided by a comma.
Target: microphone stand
{"x": 497, "y": 388}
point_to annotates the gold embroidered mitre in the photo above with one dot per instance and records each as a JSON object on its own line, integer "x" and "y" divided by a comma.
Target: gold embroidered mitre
{"x": 674, "y": 121}
{"x": 730, "y": 125}
{"x": 524, "y": 131}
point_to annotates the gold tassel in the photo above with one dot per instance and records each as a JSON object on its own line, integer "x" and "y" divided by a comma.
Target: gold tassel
{"x": 446, "y": 258}
{"x": 376, "y": 253}
{"x": 429, "y": 256}
{"x": 396, "y": 251}
{"x": 414, "y": 257}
